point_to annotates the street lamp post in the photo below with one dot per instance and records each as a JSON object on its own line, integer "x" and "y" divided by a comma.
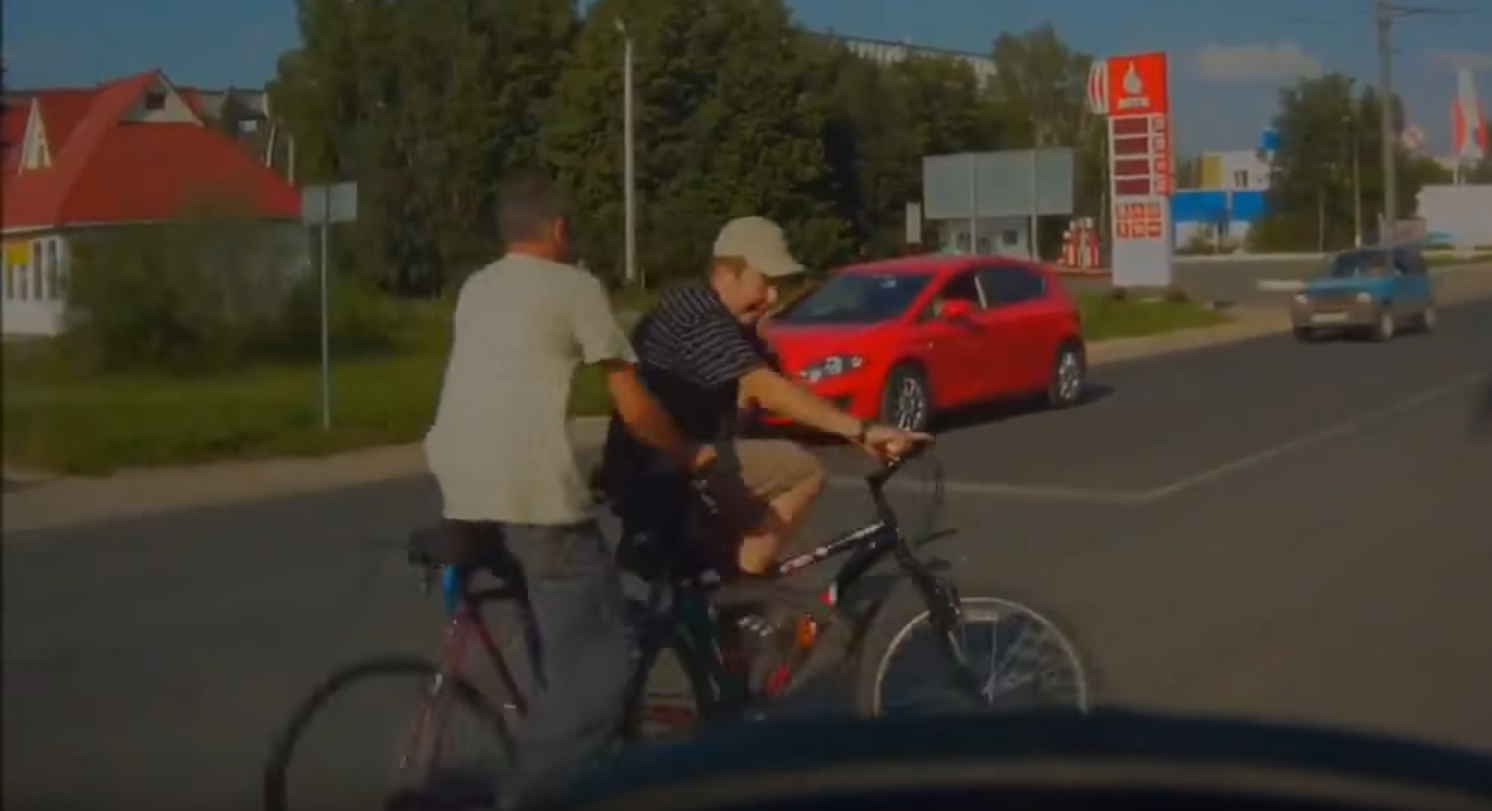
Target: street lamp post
{"x": 1356, "y": 189}
{"x": 1035, "y": 188}
{"x": 629, "y": 169}
{"x": 1353, "y": 125}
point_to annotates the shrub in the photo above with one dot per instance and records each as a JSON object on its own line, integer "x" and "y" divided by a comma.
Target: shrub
{"x": 361, "y": 318}
{"x": 184, "y": 297}
{"x": 210, "y": 293}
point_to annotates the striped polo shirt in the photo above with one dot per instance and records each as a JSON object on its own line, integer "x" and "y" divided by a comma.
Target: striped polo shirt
{"x": 692, "y": 354}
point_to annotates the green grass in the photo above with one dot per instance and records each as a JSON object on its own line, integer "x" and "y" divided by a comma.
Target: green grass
{"x": 61, "y": 422}
{"x": 1105, "y": 319}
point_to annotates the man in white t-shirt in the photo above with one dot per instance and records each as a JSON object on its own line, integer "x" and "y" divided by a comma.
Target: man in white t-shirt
{"x": 506, "y": 469}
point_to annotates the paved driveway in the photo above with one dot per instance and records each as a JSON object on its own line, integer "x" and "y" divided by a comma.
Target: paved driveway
{"x": 1268, "y": 529}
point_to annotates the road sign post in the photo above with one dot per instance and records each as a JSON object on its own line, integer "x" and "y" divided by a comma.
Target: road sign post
{"x": 325, "y": 206}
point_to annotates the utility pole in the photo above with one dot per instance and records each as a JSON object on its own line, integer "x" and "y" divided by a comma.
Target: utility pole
{"x": 973, "y": 204}
{"x": 1035, "y": 187}
{"x": 1356, "y": 190}
{"x": 1386, "y": 98}
{"x": 629, "y": 167}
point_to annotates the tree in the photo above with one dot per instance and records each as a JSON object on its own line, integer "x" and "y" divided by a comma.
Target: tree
{"x": 872, "y": 153}
{"x": 1324, "y": 124}
{"x": 727, "y": 125}
{"x": 1310, "y": 200}
{"x": 424, "y": 105}
{"x": 1480, "y": 172}
{"x": 1041, "y": 86}
{"x": 1189, "y": 172}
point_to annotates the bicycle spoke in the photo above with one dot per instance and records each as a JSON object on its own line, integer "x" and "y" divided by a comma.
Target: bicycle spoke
{"x": 1029, "y": 662}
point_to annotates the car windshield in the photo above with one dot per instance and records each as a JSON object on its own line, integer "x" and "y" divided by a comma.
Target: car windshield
{"x": 857, "y": 298}
{"x": 1359, "y": 263}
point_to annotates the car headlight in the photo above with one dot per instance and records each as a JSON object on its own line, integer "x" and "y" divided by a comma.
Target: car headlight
{"x": 1364, "y": 298}
{"x": 832, "y": 366}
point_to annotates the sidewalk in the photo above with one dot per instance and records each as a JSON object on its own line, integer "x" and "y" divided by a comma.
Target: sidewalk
{"x": 40, "y": 503}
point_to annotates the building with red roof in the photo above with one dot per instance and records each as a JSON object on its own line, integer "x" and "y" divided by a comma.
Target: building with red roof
{"x": 131, "y": 151}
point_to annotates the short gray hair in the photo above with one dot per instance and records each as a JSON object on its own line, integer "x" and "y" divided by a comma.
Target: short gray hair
{"x": 527, "y": 203}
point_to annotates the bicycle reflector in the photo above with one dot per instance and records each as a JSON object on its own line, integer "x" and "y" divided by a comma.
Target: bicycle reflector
{"x": 807, "y": 631}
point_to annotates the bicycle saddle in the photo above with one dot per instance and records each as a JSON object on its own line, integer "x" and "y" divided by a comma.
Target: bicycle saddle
{"x": 468, "y": 545}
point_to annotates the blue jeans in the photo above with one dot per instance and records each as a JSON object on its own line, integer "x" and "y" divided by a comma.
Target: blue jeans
{"x": 583, "y": 654}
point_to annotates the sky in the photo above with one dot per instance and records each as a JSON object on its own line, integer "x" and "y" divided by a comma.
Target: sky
{"x": 1228, "y": 57}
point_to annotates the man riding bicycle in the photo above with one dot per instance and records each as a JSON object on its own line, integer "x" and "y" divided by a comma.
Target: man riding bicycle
{"x": 700, "y": 356}
{"x": 503, "y": 460}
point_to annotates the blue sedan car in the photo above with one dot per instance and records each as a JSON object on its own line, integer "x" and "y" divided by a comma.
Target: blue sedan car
{"x": 1370, "y": 290}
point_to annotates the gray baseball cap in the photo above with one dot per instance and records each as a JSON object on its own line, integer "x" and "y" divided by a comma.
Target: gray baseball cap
{"x": 761, "y": 243}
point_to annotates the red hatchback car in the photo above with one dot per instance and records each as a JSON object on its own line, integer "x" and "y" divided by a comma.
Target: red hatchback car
{"x": 904, "y": 339}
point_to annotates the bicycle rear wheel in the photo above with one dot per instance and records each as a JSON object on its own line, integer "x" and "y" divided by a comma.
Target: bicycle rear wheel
{"x": 1032, "y": 663}
{"x": 425, "y": 726}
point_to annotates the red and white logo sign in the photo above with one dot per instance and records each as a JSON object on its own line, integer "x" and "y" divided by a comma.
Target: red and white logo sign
{"x": 1138, "y": 84}
{"x": 1098, "y": 87}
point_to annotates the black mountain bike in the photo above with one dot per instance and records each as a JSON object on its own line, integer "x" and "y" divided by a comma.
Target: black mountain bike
{"x": 706, "y": 626}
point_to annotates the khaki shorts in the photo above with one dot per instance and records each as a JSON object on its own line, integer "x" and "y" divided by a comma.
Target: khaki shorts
{"x": 751, "y": 473}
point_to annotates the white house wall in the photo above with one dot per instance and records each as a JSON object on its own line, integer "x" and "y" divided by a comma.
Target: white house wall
{"x": 33, "y": 288}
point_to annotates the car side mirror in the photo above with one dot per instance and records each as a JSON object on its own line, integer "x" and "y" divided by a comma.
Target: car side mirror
{"x": 956, "y": 309}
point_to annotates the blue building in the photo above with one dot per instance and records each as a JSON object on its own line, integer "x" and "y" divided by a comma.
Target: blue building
{"x": 1229, "y": 200}
{"x": 1215, "y": 217}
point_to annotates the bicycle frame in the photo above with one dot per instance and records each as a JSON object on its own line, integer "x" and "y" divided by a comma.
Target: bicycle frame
{"x": 866, "y": 547}
{"x": 465, "y": 611}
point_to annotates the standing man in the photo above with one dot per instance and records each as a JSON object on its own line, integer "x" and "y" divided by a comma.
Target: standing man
{"x": 501, "y": 454}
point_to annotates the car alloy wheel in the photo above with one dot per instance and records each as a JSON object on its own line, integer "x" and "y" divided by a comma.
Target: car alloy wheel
{"x": 911, "y": 404}
{"x": 1068, "y": 378}
{"x": 905, "y": 402}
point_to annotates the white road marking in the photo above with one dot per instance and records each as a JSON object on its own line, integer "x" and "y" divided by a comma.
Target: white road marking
{"x": 1281, "y": 285}
{"x": 1343, "y": 428}
{"x": 1026, "y": 492}
{"x": 1040, "y": 492}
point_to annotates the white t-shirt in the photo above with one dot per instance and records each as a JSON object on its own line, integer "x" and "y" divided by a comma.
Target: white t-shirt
{"x": 499, "y": 447}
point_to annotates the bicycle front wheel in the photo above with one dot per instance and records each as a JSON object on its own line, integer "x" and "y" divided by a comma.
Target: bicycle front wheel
{"x": 1000, "y": 656}
{"x": 381, "y": 727}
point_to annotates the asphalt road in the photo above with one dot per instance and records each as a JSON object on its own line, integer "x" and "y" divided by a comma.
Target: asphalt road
{"x": 1233, "y": 280}
{"x": 1267, "y": 529}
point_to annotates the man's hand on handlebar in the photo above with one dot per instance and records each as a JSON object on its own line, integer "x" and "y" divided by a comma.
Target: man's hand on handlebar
{"x": 701, "y": 456}
{"x": 889, "y": 443}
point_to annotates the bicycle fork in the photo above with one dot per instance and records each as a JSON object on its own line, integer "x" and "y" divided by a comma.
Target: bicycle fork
{"x": 943, "y": 613}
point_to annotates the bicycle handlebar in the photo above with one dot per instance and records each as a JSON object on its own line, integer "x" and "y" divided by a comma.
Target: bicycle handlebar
{"x": 878, "y": 479}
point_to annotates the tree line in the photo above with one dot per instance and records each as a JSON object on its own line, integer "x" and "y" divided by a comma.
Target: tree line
{"x": 738, "y": 110}
{"x": 1330, "y": 157}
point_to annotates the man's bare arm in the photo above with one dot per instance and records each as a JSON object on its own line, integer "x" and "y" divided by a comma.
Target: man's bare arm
{"x": 782, "y": 396}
